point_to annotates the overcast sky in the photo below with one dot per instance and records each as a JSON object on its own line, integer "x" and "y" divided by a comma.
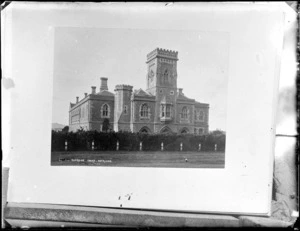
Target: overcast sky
{"x": 83, "y": 55}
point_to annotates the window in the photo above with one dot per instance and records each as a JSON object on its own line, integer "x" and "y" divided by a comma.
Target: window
{"x": 201, "y": 130}
{"x": 171, "y": 92}
{"x": 166, "y": 76}
{"x": 125, "y": 109}
{"x": 105, "y": 111}
{"x": 195, "y": 115}
{"x": 162, "y": 111}
{"x": 160, "y": 91}
{"x": 166, "y": 111}
{"x": 201, "y": 115}
{"x": 195, "y": 130}
{"x": 184, "y": 113}
{"x": 144, "y": 111}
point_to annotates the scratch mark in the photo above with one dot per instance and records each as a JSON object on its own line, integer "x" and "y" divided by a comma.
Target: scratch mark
{"x": 8, "y": 83}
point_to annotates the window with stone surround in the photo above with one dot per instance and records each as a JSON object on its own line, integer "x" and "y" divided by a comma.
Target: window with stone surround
{"x": 201, "y": 115}
{"x": 201, "y": 131}
{"x": 184, "y": 113}
{"x": 144, "y": 111}
{"x": 105, "y": 111}
{"x": 166, "y": 111}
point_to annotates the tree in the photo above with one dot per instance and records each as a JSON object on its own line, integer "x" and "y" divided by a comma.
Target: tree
{"x": 65, "y": 129}
{"x": 105, "y": 125}
{"x": 217, "y": 132}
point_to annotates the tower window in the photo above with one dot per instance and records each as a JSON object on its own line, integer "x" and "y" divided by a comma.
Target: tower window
{"x": 166, "y": 74}
{"x": 184, "y": 113}
{"x": 166, "y": 111}
{"x": 125, "y": 109}
{"x": 162, "y": 111}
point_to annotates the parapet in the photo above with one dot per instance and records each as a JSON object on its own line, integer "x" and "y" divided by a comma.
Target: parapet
{"x": 159, "y": 52}
{"x": 123, "y": 87}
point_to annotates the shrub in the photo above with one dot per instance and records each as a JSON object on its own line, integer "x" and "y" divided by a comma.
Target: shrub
{"x": 128, "y": 141}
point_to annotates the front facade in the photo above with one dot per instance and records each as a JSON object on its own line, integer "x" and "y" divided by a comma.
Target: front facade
{"x": 161, "y": 108}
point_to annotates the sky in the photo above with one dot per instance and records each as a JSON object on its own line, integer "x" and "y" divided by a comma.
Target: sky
{"x": 83, "y": 55}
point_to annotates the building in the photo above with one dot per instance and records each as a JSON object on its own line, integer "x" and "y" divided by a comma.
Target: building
{"x": 161, "y": 108}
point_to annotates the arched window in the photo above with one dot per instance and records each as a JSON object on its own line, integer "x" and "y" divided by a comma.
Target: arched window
{"x": 145, "y": 130}
{"x": 184, "y": 113}
{"x": 201, "y": 115}
{"x": 144, "y": 111}
{"x": 105, "y": 111}
{"x": 184, "y": 131}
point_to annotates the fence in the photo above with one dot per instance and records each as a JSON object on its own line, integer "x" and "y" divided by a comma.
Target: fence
{"x": 128, "y": 141}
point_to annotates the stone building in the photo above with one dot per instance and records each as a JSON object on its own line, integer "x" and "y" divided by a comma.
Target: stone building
{"x": 161, "y": 108}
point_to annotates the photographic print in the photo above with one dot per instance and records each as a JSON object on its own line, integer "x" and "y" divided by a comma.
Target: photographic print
{"x": 139, "y": 98}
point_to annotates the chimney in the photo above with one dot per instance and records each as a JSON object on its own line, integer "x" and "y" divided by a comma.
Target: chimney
{"x": 93, "y": 90}
{"x": 180, "y": 91}
{"x": 103, "y": 85}
{"x": 85, "y": 94}
{"x": 77, "y": 99}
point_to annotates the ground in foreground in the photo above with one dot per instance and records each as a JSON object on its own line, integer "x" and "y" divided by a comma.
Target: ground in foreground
{"x": 139, "y": 159}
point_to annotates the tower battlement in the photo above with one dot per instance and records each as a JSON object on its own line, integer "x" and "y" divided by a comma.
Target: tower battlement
{"x": 123, "y": 87}
{"x": 164, "y": 53}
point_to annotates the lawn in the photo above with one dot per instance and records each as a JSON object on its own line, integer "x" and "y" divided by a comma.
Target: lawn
{"x": 139, "y": 159}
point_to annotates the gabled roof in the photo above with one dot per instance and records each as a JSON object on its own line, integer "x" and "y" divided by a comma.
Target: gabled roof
{"x": 141, "y": 92}
{"x": 182, "y": 97}
{"x": 105, "y": 93}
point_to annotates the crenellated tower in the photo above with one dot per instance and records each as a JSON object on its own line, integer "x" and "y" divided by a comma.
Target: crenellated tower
{"x": 162, "y": 83}
{"x": 162, "y": 70}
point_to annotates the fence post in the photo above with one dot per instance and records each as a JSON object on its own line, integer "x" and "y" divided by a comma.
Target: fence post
{"x": 199, "y": 149}
{"x": 93, "y": 147}
{"x": 181, "y": 146}
{"x": 216, "y": 147}
{"x": 117, "y": 145}
{"x": 141, "y": 146}
{"x": 162, "y": 146}
{"x": 66, "y": 145}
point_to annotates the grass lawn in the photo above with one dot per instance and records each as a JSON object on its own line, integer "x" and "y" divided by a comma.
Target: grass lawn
{"x": 139, "y": 159}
